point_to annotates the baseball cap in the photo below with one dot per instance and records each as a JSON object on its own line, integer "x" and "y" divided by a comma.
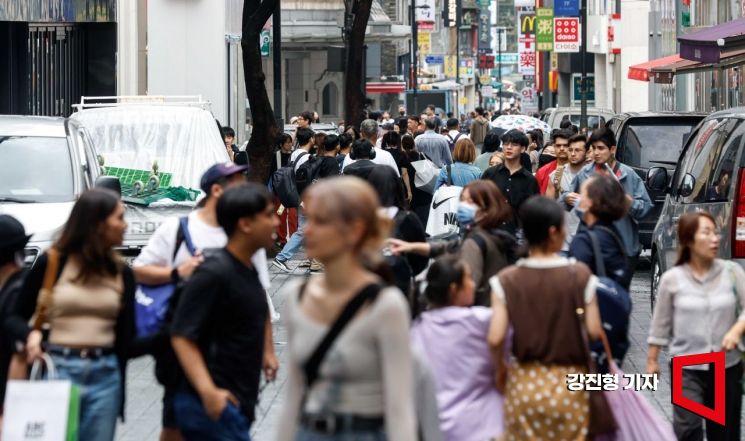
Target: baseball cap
{"x": 12, "y": 234}
{"x": 217, "y": 172}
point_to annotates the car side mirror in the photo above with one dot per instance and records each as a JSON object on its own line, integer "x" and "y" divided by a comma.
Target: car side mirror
{"x": 241, "y": 158}
{"x": 657, "y": 178}
{"x": 111, "y": 183}
{"x": 686, "y": 185}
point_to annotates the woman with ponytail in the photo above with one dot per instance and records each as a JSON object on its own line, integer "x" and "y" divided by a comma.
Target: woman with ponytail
{"x": 361, "y": 386}
{"x": 452, "y": 339}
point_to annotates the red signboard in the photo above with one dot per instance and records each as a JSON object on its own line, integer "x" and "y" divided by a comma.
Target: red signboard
{"x": 566, "y": 34}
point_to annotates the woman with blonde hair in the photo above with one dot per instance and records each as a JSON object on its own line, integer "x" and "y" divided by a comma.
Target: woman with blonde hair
{"x": 349, "y": 377}
{"x": 462, "y": 171}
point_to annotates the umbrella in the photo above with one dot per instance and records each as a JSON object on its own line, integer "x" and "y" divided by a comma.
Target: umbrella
{"x": 521, "y": 122}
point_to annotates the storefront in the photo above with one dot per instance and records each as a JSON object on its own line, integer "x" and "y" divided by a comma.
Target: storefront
{"x": 54, "y": 52}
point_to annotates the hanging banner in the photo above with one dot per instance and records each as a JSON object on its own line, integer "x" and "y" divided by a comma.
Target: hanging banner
{"x": 544, "y": 29}
{"x": 449, "y": 67}
{"x": 566, "y": 8}
{"x": 485, "y": 30}
{"x": 424, "y": 41}
{"x": 449, "y": 15}
{"x": 566, "y": 34}
{"x": 526, "y": 41}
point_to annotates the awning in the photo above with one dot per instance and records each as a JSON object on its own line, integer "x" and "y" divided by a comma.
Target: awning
{"x": 390, "y": 87}
{"x": 707, "y": 45}
{"x": 664, "y": 73}
{"x": 641, "y": 71}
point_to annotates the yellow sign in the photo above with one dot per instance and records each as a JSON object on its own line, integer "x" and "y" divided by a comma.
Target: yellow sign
{"x": 485, "y": 79}
{"x": 528, "y": 24}
{"x": 449, "y": 68}
{"x": 463, "y": 100}
{"x": 554, "y": 61}
{"x": 424, "y": 41}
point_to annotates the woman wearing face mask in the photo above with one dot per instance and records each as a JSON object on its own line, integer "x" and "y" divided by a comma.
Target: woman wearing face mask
{"x": 486, "y": 247}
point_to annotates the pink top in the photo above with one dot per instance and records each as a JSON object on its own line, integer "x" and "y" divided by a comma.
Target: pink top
{"x": 453, "y": 343}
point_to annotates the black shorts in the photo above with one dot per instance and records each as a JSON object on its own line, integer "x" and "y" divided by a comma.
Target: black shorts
{"x": 169, "y": 414}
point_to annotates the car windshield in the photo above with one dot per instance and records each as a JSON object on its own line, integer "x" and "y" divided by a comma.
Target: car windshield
{"x": 656, "y": 143}
{"x": 35, "y": 169}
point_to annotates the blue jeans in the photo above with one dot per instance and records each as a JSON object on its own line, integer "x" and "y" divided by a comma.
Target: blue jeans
{"x": 296, "y": 240}
{"x": 308, "y": 435}
{"x": 100, "y": 393}
{"x": 194, "y": 423}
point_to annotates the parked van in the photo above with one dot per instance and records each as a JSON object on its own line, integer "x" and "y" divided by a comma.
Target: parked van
{"x": 596, "y": 117}
{"x": 45, "y": 163}
{"x": 709, "y": 176}
{"x": 158, "y": 147}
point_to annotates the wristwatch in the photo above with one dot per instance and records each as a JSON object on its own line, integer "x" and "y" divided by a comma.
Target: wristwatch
{"x": 174, "y": 275}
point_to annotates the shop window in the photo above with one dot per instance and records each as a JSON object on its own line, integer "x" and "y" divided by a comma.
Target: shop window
{"x": 330, "y": 105}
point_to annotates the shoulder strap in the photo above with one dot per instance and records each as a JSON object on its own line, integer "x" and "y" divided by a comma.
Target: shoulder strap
{"x": 481, "y": 242}
{"x": 47, "y": 286}
{"x": 615, "y": 237}
{"x": 599, "y": 264}
{"x": 279, "y": 159}
{"x": 450, "y": 175}
{"x": 184, "y": 225}
{"x": 313, "y": 365}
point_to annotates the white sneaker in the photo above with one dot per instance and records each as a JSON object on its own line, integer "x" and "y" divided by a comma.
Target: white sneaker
{"x": 281, "y": 265}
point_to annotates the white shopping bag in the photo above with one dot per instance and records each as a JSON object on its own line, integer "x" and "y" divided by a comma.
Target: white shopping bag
{"x": 40, "y": 410}
{"x": 426, "y": 174}
{"x": 442, "y": 212}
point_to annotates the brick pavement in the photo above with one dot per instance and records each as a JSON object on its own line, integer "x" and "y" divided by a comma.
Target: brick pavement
{"x": 144, "y": 407}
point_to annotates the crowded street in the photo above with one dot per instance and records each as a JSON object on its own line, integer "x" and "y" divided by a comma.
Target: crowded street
{"x": 372, "y": 220}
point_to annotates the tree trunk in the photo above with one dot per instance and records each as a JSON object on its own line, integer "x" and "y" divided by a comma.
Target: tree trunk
{"x": 265, "y": 131}
{"x": 354, "y": 96}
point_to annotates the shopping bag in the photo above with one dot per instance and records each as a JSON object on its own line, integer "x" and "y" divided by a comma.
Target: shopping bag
{"x": 426, "y": 174}
{"x": 637, "y": 420}
{"x": 42, "y": 410}
{"x": 442, "y": 220}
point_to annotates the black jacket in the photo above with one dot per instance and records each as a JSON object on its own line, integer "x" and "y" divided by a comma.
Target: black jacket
{"x": 125, "y": 345}
{"x": 614, "y": 256}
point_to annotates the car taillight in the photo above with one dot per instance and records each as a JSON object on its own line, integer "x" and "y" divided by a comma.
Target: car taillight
{"x": 738, "y": 221}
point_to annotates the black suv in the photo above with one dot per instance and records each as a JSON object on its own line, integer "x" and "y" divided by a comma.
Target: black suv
{"x": 649, "y": 139}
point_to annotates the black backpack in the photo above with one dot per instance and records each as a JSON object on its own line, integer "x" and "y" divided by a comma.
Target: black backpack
{"x": 283, "y": 184}
{"x": 453, "y": 141}
{"x": 307, "y": 173}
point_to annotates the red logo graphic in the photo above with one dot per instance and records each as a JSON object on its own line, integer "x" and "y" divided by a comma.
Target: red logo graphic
{"x": 717, "y": 358}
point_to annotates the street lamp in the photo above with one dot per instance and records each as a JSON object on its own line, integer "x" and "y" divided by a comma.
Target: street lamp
{"x": 414, "y": 50}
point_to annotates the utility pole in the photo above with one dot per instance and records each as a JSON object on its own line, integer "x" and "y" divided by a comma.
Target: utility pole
{"x": 499, "y": 59}
{"x": 414, "y": 55}
{"x": 277, "y": 64}
{"x": 583, "y": 54}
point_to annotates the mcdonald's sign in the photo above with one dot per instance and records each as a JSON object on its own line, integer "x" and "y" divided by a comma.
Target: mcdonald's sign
{"x": 527, "y": 23}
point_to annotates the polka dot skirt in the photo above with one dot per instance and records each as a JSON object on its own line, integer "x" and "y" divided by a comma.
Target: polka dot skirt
{"x": 538, "y": 405}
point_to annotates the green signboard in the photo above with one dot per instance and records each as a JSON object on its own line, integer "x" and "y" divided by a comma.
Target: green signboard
{"x": 265, "y": 43}
{"x": 544, "y": 29}
{"x": 576, "y": 93}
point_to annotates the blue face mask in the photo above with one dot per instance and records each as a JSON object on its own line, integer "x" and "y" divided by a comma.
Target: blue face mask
{"x": 466, "y": 214}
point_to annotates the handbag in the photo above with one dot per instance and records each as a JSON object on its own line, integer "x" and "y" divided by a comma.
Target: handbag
{"x": 151, "y": 301}
{"x": 47, "y": 410}
{"x": 601, "y": 416}
{"x": 426, "y": 174}
{"x": 442, "y": 221}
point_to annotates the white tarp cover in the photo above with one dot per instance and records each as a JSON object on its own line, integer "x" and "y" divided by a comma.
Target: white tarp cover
{"x": 184, "y": 140}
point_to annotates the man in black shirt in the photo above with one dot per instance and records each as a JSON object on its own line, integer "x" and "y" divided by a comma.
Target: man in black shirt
{"x": 516, "y": 183}
{"x": 221, "y": 324}
{"x": 13, "y": 239}
{"x": 363, "y": 151}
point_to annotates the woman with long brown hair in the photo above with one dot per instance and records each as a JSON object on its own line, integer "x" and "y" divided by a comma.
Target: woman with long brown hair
{"x": 700, "y": 308}
{"x": 89, "y": 310}
{"x": 359, "y": 384}
{"x": 486, "y": 247}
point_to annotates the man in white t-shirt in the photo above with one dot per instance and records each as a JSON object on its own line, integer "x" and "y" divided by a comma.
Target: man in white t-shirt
{"x": 156, "y": 264}
{"x": 369, "y": 131}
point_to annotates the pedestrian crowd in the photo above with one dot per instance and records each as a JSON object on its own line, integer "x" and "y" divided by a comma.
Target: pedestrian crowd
{"x": 455, "y": 277}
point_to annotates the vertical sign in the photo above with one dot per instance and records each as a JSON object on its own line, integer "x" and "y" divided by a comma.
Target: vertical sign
{"x": 566, "y": 34}
{"x": 265, "y": 43}
{"x": 544, "y": 30}
{"x": 449, "y": 67}
{"x": 484, "y": 28}
{"x": 499, "y": 38}
{"x": 424, "y": 41}
{"x": 526, "y": 42}
{"x": 450, "y": 12}
{"x": 566, "y": 8}
{"x": 576, "y": 95}
{"x": 425, "y": 14}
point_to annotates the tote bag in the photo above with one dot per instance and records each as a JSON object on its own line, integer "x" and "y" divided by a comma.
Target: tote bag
{"x": 442, "y": 220}
{"x": 42, "y": 410}
{"x": 426, "y": 174}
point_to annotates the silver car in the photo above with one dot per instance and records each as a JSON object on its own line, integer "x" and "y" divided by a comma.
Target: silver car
{"x": 709, "y": 176}
{"x": 45, "y": 163}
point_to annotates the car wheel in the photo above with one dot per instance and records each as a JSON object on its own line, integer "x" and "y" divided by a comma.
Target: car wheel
{"x": 656, "y": 274}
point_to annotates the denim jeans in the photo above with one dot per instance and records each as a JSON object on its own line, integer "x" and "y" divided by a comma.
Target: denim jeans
{"x": 195, "y": 425}
{"x": 296, "y": 240}
{"x": 100, "y": 393}
{"x": 309, "y": 435}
